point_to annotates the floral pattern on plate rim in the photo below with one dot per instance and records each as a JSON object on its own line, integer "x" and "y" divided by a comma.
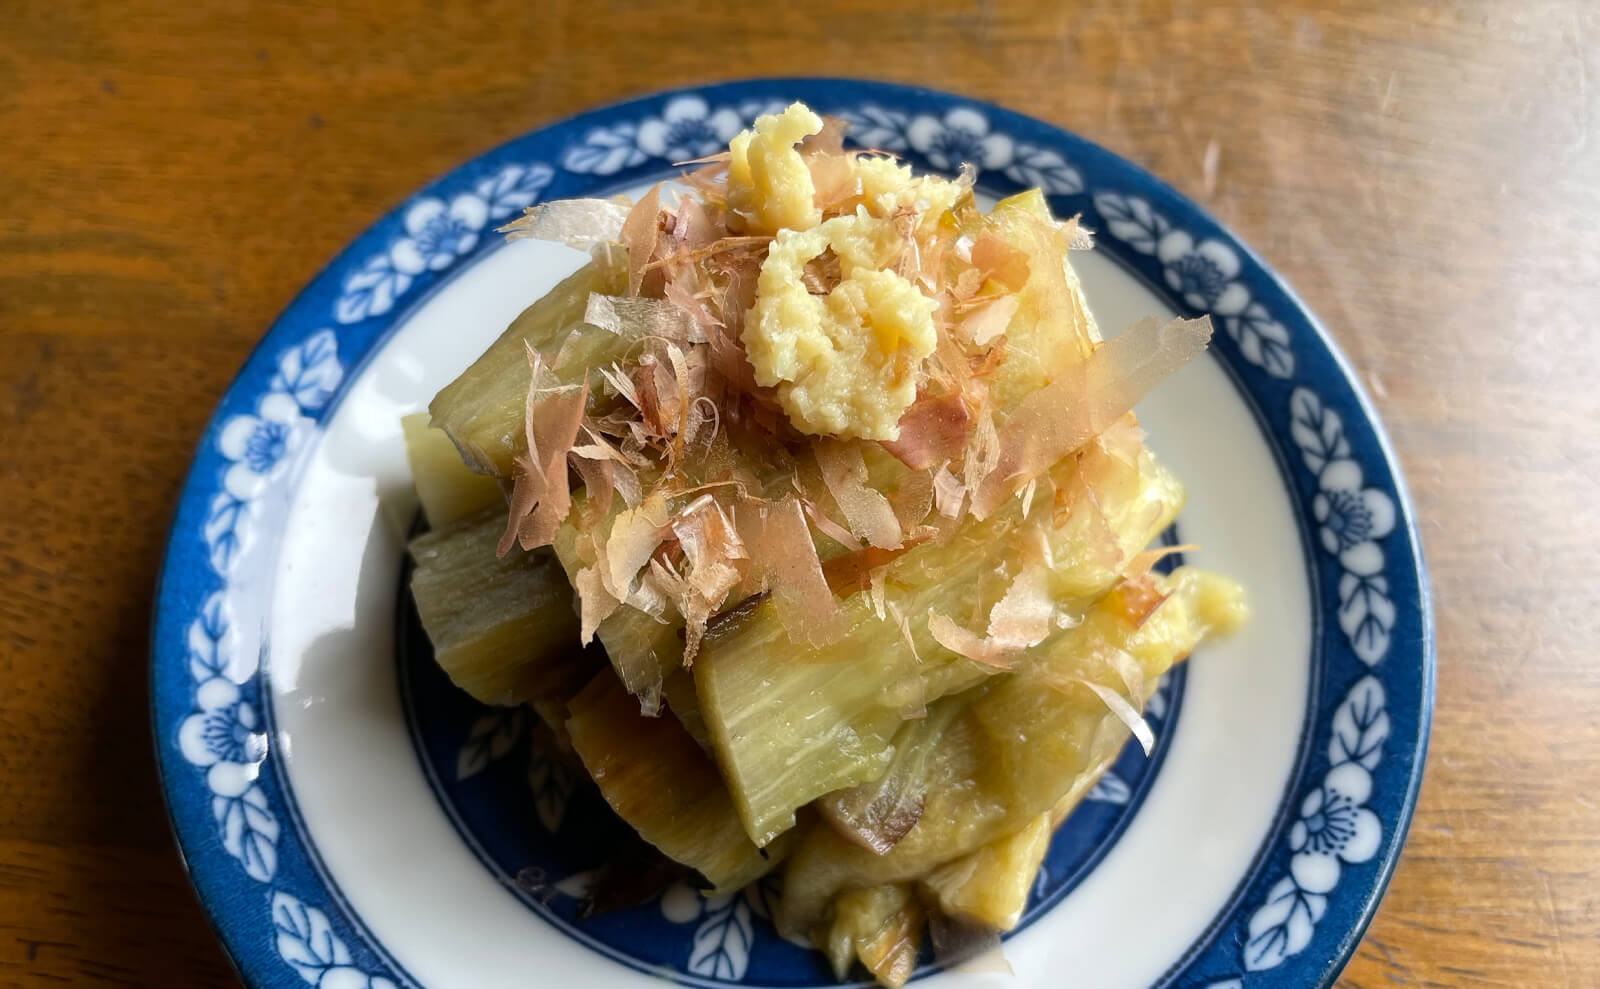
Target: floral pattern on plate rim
{"x": 223, "y": 738}
{"x": 1334, "y": 825}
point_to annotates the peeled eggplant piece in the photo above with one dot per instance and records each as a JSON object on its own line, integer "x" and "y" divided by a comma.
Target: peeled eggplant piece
{"x": 448, "y": 489}
{"x": 663, "y": 785}
{"x": 503, "y": 629}
{"x": 482, "y": 410}
{"x": 990, "y": 886}
{"x": 881, "y": 927}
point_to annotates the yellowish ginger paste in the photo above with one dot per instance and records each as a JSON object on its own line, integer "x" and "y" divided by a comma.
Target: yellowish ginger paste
{"x": 768, "y": 181}
{"x": 844, "y": 364}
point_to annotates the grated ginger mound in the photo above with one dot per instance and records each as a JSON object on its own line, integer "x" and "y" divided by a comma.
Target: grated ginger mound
{"x": 888, "y": 187}
{"x": 768, "y": 181}
{"x": 844, "y": 364}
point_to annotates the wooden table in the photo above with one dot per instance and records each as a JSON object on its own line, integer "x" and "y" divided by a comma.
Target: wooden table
{"x": 1427, "y": 177}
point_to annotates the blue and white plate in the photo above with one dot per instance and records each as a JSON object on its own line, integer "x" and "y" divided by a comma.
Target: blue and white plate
{"x": 351, "y": 820}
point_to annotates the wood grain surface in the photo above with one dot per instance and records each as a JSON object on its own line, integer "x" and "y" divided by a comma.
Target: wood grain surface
{"x": 1426, "y": 176}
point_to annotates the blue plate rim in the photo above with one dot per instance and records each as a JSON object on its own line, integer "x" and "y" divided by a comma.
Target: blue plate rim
{"x": 257, "y": 364}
